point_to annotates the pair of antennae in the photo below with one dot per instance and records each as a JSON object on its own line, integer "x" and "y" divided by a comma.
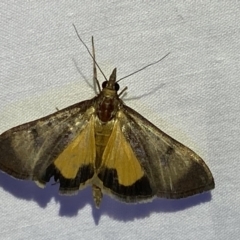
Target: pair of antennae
{"x": 96, "y": 64}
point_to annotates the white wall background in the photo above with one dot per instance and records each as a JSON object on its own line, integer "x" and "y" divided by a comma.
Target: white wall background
{"x": 193, "y": 95}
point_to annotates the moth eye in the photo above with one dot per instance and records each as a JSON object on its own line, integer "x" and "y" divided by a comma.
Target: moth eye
{"x": 117, "y": 86}
{"x": 104, "y": 84}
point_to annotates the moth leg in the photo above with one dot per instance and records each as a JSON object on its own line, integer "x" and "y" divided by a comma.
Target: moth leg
{"x": 95, "y": 80}
{"x": 123, "y": 91}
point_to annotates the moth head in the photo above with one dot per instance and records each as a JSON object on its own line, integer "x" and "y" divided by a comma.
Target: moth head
{"x": 111, "y": 83}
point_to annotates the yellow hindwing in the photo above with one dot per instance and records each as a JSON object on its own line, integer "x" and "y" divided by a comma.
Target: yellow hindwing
{"x": 119, "y": 155}
{"x": 81, "y": 151}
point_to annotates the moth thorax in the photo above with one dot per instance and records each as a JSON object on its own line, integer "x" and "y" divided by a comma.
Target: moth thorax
{"x": 105, "y": 110}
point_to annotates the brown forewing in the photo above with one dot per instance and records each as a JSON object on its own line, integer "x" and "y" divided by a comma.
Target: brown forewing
{"x": 173, "y": 170}
{"x": 27, "y": 150}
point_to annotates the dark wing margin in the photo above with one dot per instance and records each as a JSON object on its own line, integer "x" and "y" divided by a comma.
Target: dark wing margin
{"x": 173, "y": 170}
{"x": 28, "y": 151}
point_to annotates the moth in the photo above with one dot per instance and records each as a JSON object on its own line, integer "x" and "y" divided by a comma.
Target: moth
{"x": 103, "y": 143}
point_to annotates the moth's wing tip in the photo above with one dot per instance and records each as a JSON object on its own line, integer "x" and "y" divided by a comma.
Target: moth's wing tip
{"x": 211, "y": 185}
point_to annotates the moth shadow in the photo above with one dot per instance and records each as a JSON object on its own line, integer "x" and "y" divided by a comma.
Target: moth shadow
{"x": 129, "y": 212}
{"x": 70, "y": 206}
{"x": 28, "y": 190}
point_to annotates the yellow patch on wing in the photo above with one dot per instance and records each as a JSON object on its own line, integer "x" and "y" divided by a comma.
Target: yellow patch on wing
{"x": 118, "y": 155}
{"x": 81, "y": 151}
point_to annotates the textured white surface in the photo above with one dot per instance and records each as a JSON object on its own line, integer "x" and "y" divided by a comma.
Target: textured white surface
{"x": 193, "y": 95}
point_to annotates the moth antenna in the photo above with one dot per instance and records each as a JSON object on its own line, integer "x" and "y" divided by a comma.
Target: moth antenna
{"x": 89, "y": 52}
{"x": 95, "y": 80}
{"x": 144, "y": 67}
